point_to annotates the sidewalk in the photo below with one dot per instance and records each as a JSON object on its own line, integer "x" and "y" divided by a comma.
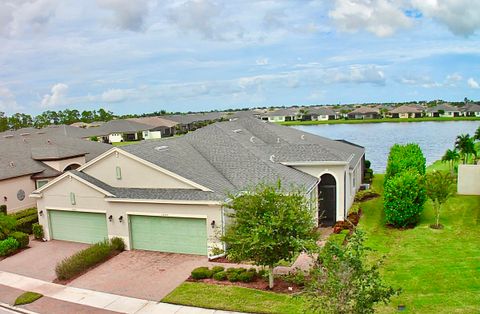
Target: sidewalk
{"x": 94, "y": 299}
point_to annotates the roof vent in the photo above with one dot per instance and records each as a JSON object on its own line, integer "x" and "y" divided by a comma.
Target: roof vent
{"x": 161, "y": 148}
{"x": 278, "y": 140}
{"x": 49, "y": 141}
{"x": 12, "y": 164}
{"x": 237, "y": 131}
{"x": 252, "y": 139}
{"x": 271, "y": 158}
{"x": 40, "y": 132}
{"x": 8, "y": 136}
{"x": 302, "y": 137}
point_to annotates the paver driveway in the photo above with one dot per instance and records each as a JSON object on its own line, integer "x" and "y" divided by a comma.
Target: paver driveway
{"x": 40, "y": 259}
{"x": 141, "y": 274}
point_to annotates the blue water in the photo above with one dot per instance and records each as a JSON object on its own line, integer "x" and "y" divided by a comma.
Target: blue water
{"x": 433, "y": 137}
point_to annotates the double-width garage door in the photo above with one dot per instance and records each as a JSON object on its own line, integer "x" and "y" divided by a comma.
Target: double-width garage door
{"x": 169, "y": 234}
{"x": 78, "y": 226}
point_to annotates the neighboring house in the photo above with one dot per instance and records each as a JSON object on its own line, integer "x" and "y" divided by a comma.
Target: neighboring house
{"x": 280, "y": 115}
{"x": 164, "y": 126}
{"x": 121, "y": 130}
{"x": 471, "y": 110}
{"x": 168, "y": 195}
{"x": 443, "y": 110}
{"x": 30, "y": 160}
{"x": 405, "y": 111}
{"x": 364, "y": 112}
{"x": 323, "y": 113}
{"x": 192, "y": 121}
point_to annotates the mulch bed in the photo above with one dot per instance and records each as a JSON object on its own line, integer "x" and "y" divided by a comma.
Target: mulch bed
{"x": 281, "y": 286}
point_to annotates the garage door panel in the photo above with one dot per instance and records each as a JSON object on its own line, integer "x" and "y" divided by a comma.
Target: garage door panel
{"x": 78, "y": 226}
{"x": 169, "y": 234}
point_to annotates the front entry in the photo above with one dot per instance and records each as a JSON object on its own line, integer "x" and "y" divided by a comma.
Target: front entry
{"x": 327, "y": 200}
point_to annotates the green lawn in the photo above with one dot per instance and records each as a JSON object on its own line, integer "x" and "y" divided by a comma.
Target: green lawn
{"x": 233, "y": 298}
{"x": 342, "y": 121}
{"x": 438, "y": 270}
{"x": 118, "y": 144}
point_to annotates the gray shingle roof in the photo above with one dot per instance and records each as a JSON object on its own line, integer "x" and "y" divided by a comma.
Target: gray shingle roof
{"x": 444, "y": 107}
{"x": 406, "y": 109}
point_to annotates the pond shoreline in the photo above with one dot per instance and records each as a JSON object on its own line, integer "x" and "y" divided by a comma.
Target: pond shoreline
{"x": 383, "y": 120}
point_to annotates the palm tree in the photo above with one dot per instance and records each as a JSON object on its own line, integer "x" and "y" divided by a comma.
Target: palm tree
{"x": 466, "y": 146}
{"x": 477, "y": 134}
{"x": 451, "y": 156}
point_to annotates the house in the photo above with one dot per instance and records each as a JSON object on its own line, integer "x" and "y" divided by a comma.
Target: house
{"x": 121, "y": 130}
{"x": 192, "y": 121}
{"x": 30, "y": 160}
{"x": 166, "y": 127}
{"x": 405, "y": 111}
{"x": 443, "y": 110}
{"x": 364, "y": 112}
{"x": 280, "y": 115}
{"x": 167, "y": 195}
{"x": 471, "y": 110}
{"x": 323, "y": 113}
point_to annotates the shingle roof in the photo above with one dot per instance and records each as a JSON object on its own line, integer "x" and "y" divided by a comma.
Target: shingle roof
{"x": 196, "y": 117}
{"x": 471, "y": 108}
{"x": 364, "y": 110}
{"x": 444, "y": 107}
{"x": 116, "y": 126}
{"x": 406, "y": 109}
{"x": 155, "y": 122}
{"x": 281, "y": 112}
{"x": 322, "y": 111}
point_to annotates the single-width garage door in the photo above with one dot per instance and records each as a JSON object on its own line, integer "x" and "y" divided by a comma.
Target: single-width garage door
{"x": 169, "y": 234}
{"x": 78, "y": 226}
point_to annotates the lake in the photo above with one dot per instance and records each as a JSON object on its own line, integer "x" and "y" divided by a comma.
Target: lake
{"x": 433, "y": 137}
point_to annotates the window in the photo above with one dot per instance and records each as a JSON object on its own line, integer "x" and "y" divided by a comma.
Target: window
{"x": 41, "y": 183}
{"x": 118, "y": 172}
{"x": 72, "y": 198}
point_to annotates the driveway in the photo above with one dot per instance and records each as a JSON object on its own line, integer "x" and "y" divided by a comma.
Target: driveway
{"x": 40, "y": 259}
{"x": 141, "y": 274}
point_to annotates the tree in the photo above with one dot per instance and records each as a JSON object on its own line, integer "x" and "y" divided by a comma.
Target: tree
{"x": 3, "y": 122}
{"x": 477, "y": 134}
{"x": 343, "y": 282}
{"x": 269, "y": 224}
{"x": 439, "y": 188}
{"x": 451, "y": 156}
{"x": 20, "y": 120}
{"x": 466, "y": 146}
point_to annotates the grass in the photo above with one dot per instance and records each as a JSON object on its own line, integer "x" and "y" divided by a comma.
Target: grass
{"x": 383, "y": 120}
{"x": 27, "y": 297}
{"x": 438, "y": 270}
{"x": 119, "y": 144}
{"x": 232, "y": 298}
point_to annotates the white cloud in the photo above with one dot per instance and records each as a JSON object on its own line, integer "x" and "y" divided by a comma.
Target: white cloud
{"x": 127, "y": 14}
{"x": 356, "y": 74}
{"x": 473, "y": 84}
{"x": 261, "y": 61}
{"x": 462, "y": 17}
{"x": 380, "y": 17}
{"x": 7, "y": 100}
{"x": 115, "y": 95}
{"x": 57, "y": 96}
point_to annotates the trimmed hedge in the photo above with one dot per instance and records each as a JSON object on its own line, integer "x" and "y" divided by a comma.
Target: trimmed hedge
{"x": 201, "y": 273}
{"x": 24, "y": 213}
{"x": 231, "y": 274}
{"x": 3, "y": 209}
{"x": 37, "y": 230}
{"x": 22, "y": 238}
{"x": 220, "y": 276}
{"x": 8, "y": 246}
{"x": 25, "y": 224}
{"x": 85, "y": 259}
{"x": 404, "y": 198}
{"x": 403, "y": 158}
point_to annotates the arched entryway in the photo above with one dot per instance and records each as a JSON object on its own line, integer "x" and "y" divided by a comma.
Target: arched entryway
{"x": 71, "y": 167}
{"x": 327, "y": 200}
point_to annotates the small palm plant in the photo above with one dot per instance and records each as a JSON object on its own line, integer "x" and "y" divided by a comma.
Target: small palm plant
{"x": 466, "y": 146}
{"x": 451, "y": 156}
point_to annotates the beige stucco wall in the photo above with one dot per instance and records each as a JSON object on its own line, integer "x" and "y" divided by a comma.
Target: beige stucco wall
{"x": 134, "y": 174}
{"x": 10, "y": 188}
{"x": 89, "y": 200}
{"x": 60, "y": 165}
{"x": 468, "y": 179}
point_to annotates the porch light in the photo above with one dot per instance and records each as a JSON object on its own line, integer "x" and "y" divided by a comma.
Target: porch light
{"x": 120, "y": 218}
{"x": 212, "y": 224}
{"x": 110, "y": 218}
{"x": 5, "y": 198}
{"x": 41, "y": 213}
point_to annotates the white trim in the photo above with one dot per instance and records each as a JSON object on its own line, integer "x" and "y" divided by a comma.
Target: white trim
{"x": 168, "y": 215}
{"x": 315, "y": 163}
{"x": 96, "y": 211}
{"x": 72, "y": 175}
{"x": 160, "y": 201}
{"x": 147, "y": 163}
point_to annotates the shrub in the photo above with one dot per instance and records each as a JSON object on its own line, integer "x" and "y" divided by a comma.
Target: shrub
{"x": 8, "y": 246}
{"x": 367, "y": 164}
{"x": 217, "y": 269}
{"x": 25, "y": 224}
{"x": 83, "y": 260}
{"x": 404, "y": 198}
{"x": 403, "y": 158}
{"x": 220, "y": 276}
{"x": 364, "y": 195}
{"x": 297, "y": 277}
{"x": 117, "y": 244}
{"x": 201, "y": 273}
{"x": 232, "y": 276}
{"x": 37, "y": 230}
{"x": 247, "y": 276}
{"x": 7, "y": 225}
{"x": 3, "y": 209}
{"x": 27, "y": 297}
{"x": 24, "y": 213}
{"x": 22, "y": 238}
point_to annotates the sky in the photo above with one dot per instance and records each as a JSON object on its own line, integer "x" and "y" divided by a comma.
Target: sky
{"x": 193, "y": 55}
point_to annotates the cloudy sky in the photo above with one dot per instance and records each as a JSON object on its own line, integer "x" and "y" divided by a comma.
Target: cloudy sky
{"x": 142, "y": 56}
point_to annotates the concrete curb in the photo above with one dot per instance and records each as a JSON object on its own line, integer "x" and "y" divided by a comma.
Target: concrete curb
{"x": 15, "y": 309}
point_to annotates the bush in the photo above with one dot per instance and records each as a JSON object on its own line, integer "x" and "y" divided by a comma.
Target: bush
{"x": 220, "y": 276}
{"x": 24, "y": 213}
{"x": 217, "y": 269}
{"x": 7, "y": 225}
{"x": 201, "y": 273}
{"x": 364, "y": 195}
{"x": 3, "y": 209}
{"x": 25, "y": 224}
{"x": 22, "y": 238}
{"x": 37, "y": 230}
{"x": 403, "y": 158}
{"x": 8, "y": 246}
{"x": 232, "y": 276}
{"x": 84, "y": 259}
{"x": 367, "y": 164}
{"x": 117, "y": 244}
{"x": 404, "y": 198}
{"x": 247, "y": 276}
{"x": 297, "y": 277}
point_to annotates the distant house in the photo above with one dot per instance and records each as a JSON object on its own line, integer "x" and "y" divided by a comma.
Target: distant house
{"x": 443, "y": 110}
{"x": 31, "y": 159}
{"x": 166, "y": 127}
{"x": 323, "y": 113}
{"x": 192, "y": 121}
{"x": 120, "y": 130}
{"x": 280, "y": 115}
{"x": 405, "y": 111}
{"x": 364, "y": 112}
{"x": 471, "y": 110}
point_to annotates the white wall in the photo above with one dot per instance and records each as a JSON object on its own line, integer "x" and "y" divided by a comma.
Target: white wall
{"x": 276, "y": 119}
{"x": 150, "y": 135}
{"x": 10, "y": 187}
{"x": 468, "y": 179}
{"x": 115, "y": 137}
{"x": 60, "y": 165}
